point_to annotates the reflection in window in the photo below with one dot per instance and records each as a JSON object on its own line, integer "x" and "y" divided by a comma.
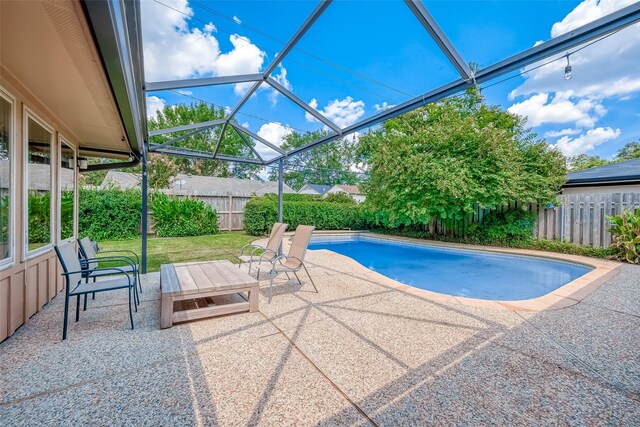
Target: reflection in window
{"x": 38, "y": 184}
{"x": 67, "y": 191}
{"x": 5, "y": 178}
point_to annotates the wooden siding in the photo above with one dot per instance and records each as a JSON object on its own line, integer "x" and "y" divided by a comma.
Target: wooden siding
{"x": 27, "y": 285}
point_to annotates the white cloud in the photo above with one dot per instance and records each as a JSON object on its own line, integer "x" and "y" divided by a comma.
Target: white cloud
{"x": 343, "y": 113}
{"x": 382, "y": 107}
{"x": 245, "y": 58}
{"x": 561, "y": 108}
{"x": 153, "y": 105}
{"x": 602, "y": 71}
{"x": 281, "y": 78}
{"x": 587, "y": 141}
{"x": 236, "y": 20}
{"x": 563, "y": 132}
{"x": 274, "y": 133}
{"x": 174, "y": 50}
{"x": 605, "y": 69}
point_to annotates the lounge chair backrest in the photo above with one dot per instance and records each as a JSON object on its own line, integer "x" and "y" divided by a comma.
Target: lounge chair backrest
{"x": 87, "y": 251}
{"x": 69, "y": 261}
{"x": 277, "y": 232}
{"x": 301, "y": 241}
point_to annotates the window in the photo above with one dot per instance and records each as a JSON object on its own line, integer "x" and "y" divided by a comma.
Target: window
{"x": 6, "y": 179}
{"x": 67, "y": 179}
{"x": 38, "y": 173}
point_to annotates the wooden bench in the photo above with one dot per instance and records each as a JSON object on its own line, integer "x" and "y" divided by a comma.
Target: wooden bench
{"x": 199, "y": 281}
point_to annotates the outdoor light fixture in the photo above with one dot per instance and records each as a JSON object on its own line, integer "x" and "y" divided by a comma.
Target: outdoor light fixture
{"x": 567, "y": 70}
{"x": 82, "y": 163}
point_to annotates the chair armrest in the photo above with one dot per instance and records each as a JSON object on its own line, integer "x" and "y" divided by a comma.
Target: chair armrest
{"x": 286, "y": 258}
{"x": 137, "y": 258}
{"x": 250, "y": 245}
{"x": 266, "y": 251}
{"x": 126, "y": 260}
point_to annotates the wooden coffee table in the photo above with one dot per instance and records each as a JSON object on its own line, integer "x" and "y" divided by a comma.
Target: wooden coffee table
{"x": 199, "y": 281}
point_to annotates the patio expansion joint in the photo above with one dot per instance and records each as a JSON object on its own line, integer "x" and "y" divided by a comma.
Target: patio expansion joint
{"x": 322, "y": 373}
{"x": 547, "y": 336}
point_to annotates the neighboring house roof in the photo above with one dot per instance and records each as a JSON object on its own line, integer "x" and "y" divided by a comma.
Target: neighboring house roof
{"x": 39, "y": 176}
{"x": 214, "y": 186}
{"x": 349, "y": 189}
{"x": 627, "y": 172}
{"x": 320, "y": 189}
{"x": 123, "y": 180}
{"x": 184, "y": 184}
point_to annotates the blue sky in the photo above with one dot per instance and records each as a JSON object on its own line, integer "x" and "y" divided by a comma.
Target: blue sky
{"x": 361, "y": 56}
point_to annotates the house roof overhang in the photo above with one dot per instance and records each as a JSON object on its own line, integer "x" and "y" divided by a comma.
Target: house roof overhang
{"x": 80, "y": 61}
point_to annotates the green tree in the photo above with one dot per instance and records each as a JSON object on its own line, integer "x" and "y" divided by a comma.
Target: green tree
{"x": 464, "y": 153}
{"x": 585, "y": 161}
{"x": 206, "y": 141}
{"x": 630, "y": 151}
{"x": 326, "y": 164}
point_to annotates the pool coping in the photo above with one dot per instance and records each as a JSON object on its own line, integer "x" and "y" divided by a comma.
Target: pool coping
{"x": 565, "y": 296}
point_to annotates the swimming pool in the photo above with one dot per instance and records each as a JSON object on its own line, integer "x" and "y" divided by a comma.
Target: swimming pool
{"x": 458, "y": 272}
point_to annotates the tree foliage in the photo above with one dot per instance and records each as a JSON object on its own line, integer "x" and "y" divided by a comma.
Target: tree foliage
{"x": 630, "y": 151}
{"x": 585, "y": 161}
{"x": 231, "y": 144}
{"x": 327, "y": 164}
{"x": 464, "y": 153}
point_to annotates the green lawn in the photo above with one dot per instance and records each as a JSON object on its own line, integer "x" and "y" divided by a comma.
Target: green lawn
{"x": 225, "y": 245}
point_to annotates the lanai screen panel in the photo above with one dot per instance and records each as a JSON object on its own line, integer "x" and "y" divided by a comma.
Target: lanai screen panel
{"x": 322, "y": 68}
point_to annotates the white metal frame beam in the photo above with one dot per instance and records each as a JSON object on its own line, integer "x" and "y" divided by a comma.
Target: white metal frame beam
{"x": 432, "y": 27}
{"x": 315, "y": 113}
{"x": 591, "y": 31}
{"x": 209, "y": 81}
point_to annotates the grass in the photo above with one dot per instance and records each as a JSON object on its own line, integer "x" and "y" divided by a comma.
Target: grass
{"x": 225, "y": 245}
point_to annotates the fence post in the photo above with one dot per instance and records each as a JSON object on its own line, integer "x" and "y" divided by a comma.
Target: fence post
{"x": 230, "y": 212}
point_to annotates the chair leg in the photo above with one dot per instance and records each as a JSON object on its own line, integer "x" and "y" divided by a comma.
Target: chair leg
{"x": 139, "y": 282}
{"x": 77, "y": 308}
{"x": 288, "y": 277}
{"x": 297, "y": 278}
{"x": 94, "y": 294}
{"x": 250, "y": 263}
{"x": 130, "y": 312}
{"x": 271, "y": 287}
{"x": 85, "y": 303}
{"x": 66, "y": 317}
{"x": 307, "y": 271}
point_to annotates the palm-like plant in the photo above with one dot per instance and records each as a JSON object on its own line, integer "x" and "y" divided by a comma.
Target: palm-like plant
{"x": 626, "y": 235}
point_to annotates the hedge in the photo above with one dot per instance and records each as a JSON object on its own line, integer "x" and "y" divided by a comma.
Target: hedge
{"x": 261, "y": 212}
{"x": 179, "y": 217}
{"x": 109, "y": 214}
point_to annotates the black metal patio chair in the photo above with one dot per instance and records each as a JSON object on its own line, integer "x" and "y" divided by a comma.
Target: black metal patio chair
{"x": 75, "y": 286}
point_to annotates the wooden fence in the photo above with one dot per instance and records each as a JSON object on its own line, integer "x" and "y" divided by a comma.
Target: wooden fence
{"x": 579, "y": 218}
{"x": 230, "y": 210}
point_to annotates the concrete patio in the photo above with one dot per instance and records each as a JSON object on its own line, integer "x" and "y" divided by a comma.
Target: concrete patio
{"x": 357, "y": 353}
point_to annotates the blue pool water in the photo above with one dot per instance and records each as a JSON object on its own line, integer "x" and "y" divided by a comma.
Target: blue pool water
{"x": 457, "y": 272}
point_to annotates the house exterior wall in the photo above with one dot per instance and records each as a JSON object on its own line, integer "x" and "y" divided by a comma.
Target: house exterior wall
{"x": 359, "y": 198}
{"x": 30, "y": 281}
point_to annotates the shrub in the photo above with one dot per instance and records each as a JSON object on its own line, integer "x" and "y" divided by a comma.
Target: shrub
{"x": 339, "y": 198}
{"x": 510, "y": 226}
{"x": 109, "y": 214}
{"x": 626, "y": 235}
{"x": 39, "y": 217}
{"x": 261, "y": 212}
{"x": 178, "y": 217}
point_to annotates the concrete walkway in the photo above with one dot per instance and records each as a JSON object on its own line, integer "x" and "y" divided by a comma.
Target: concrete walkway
{"x": 357, "y": 353}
